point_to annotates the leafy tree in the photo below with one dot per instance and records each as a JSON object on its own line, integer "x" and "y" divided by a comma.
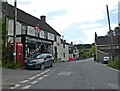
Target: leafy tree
{"x": 117, "y": 30}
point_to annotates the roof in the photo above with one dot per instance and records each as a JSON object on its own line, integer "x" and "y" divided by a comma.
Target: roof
{"x": 28, "y": 19}
{"x": 103, "y": 40}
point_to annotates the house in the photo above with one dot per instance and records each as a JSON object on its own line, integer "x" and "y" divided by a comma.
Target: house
{"x": 64, "y": 50}
{"x": 104, "y": 47}
{"x": 43, "y": 39}
{"x": 73, "y": 52}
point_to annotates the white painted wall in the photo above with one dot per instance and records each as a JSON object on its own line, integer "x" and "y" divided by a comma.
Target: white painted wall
{"x": 10, "y": 27}
{"x": 31, "y": 31}
{"x": 66, "y": 51}
{"x": 41, "y": 34}
{"x": 51, "y": 36}
{"x": 18, "y": 28}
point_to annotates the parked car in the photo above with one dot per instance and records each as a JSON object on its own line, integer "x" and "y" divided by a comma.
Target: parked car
{"x": 39, "y": 61}
{"x": 106, "y": 59}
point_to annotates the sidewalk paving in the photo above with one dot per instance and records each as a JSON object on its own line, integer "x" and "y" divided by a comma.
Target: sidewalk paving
{"x": 10, "y": 77}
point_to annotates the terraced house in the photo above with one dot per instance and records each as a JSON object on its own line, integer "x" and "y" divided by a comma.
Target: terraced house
{"x": 34, "y": 34}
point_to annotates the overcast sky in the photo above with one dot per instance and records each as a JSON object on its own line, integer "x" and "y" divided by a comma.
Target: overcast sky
{"x": 76, "y": 20}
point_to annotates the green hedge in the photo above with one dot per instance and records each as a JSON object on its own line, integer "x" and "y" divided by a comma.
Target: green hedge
{"x": 114, "y": 64}
{"x": 10, "y": 64}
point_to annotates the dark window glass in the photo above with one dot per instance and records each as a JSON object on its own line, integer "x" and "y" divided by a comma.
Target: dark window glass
{"x": 55, "y": 38}
{"x": 36, "y": 33}
{"x": 63, "y": 45}
{"x": 64, "y": 55}
{"x": 45, "y": 35}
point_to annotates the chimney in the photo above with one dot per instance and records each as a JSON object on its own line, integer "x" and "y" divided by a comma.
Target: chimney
{"x": 43, "y": 18}
{"x": 71, "y": 43}
{"x": 64, "y": 41}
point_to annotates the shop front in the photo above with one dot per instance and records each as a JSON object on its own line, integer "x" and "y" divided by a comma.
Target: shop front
{"x": 34, "y": 45}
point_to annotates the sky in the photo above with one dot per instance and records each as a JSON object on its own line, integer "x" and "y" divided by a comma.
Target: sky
{"x": 75, "y": 20}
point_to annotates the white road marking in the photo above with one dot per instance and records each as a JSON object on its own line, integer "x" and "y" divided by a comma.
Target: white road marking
{"x": 38, "y": 75}
{"x": 64, "y": 73}
{"x": 45, "y": 76}
{"x": 12, "y": 87}
{"x": 40, "y": 78}
{"x": 32, "y": 78}
{"x": 34, "y": 82}
{"x": 24, "y": 81}
{"x": 113, "y": 85}
{"x": 45, "y": 72}
{"x": 17, "y": 85}
{"x": 27, "y": 86}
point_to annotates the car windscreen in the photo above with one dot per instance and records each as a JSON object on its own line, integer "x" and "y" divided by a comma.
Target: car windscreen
{"x": 34, "y": 56}
{"x": 40, "y": 56}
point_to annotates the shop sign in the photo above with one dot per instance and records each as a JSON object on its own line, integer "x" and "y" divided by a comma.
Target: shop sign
{"x": 37, "y": 40}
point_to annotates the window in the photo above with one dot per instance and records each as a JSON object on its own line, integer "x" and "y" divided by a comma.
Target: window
{"x": 63, "y": 45}
{"x": 23, "y": 29}
{"x": 64, "y": 55}
{"x": 55, "y": 38}
{"x": 36, "y": 33}
{"x": 45, "y": 35}
{"x": 49, "y": 56}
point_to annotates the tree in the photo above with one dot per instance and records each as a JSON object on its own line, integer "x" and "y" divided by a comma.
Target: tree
{"x": 117, "y": 30}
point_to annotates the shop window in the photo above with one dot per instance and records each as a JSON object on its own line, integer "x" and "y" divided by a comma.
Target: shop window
{"x": 23, "y": 29}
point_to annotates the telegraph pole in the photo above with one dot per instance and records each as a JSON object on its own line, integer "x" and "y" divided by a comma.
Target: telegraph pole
{"x": 111, "y": 33}
{"x": 14, "y": 33}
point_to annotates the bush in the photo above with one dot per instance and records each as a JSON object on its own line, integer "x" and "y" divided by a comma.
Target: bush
{"x": 11, "y": 65}
{"x": 115, "y": 64}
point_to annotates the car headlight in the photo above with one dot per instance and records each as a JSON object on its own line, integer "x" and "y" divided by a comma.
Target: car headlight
{"x": 25, "y": 61}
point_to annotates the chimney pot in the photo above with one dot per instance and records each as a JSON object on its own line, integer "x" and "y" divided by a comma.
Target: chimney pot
{"x": 43, "y": 18}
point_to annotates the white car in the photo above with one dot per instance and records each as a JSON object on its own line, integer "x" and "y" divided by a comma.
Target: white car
{"x": 106, "y": 59}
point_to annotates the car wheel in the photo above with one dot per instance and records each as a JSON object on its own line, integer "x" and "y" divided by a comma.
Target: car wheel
{"x": 42, "y": 66}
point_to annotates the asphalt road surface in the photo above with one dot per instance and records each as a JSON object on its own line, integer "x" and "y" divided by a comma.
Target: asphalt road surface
{"x": 82, "y": 74}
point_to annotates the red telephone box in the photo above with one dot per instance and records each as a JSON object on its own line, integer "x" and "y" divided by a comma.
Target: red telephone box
{"x": 19, "y": 53}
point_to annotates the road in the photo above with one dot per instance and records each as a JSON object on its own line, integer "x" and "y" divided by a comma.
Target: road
{"x": 82, "y": 74}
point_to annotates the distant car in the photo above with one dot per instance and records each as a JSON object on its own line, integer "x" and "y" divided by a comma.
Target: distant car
{"x": 39, "y": 61}
{"x": 106, "y": 59}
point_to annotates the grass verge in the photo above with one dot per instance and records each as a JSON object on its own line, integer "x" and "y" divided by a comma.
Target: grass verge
{"x": 114, "y": 64}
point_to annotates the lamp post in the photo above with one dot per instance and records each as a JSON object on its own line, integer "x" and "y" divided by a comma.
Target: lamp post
{"x": 14, "y": 33}
{"x": 111, "y": 33}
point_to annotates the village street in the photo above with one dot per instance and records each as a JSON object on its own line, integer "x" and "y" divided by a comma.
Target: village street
{"x": 81, "y": 74}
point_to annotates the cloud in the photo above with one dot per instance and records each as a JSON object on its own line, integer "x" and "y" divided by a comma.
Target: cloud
{"x": 87, "y": 16}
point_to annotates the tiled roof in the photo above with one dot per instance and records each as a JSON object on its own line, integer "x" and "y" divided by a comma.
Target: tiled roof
{"x": 103, "y": 40}
{"x": 28, "y": 19}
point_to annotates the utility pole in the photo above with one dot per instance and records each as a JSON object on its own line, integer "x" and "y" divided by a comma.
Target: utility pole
{"x": 14, "y": 33}
{"x": 111, "y": 33}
